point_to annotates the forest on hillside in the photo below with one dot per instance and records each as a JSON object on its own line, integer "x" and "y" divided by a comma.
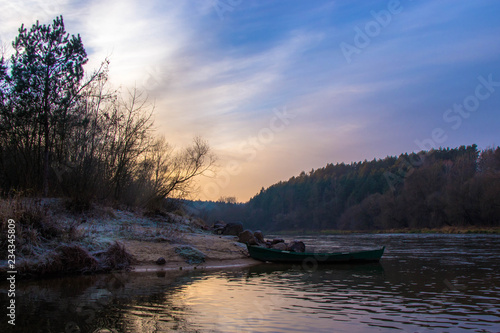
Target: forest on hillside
{"x": 67, "y": 133}
{"x": 430, "y": 189}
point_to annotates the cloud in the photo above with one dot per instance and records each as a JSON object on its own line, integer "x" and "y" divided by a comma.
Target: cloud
{"x": 222, "y": 78}
{"x": 136, "y": 36}
{"x": 15, "y": 13}
{"x": 231, "y": 87}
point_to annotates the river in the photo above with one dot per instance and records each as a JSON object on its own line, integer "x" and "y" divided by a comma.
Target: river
{"x": 424, "y": 283}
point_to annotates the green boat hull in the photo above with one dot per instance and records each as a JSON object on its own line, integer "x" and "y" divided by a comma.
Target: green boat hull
{"x": 273, "y": 255}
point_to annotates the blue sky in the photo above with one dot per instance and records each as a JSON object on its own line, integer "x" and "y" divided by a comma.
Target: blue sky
{"x": 278, "y": 87}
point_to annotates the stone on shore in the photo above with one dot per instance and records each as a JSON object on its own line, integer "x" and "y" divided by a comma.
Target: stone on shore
{"x": 296, "y": 246}
{"x": 218, "y": 227}
{"x": 247, "y": 237}
{"x": 259, "y": 236}
{"x": 233, "y": 229}
{"x": 161, "y": 261}
{"x": 190, "y": 254}
{"x": 279, "y": 246}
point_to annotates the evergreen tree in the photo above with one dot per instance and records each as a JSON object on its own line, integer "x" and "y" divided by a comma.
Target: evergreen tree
{"x": 44, "y": 82}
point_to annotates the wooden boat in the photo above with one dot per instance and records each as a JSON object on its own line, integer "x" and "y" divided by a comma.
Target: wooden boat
{"x": 273, "y": 255}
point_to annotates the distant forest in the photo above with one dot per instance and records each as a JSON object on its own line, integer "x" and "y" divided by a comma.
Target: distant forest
{"x": 457, "y": 187}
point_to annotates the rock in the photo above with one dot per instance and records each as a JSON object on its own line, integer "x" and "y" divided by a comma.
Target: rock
{"x": 219, "y": 224}
{"x": 233, "y": 229}
{"x": 247, "y": 237}
{"x": 161, "y": 261}
{"x": 279, "y": 246}
{"x": 240, "y": 245}
{"x": 218, "y": 227}
{"x": 190, "y": 254}
{"x": 259, "y": 236}
{"x": 296, "y": 246}
{"x": 277, "y": 240}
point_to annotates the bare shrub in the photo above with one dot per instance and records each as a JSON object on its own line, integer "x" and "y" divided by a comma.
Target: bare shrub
{"x": 34, "y": 223}
{"x": 75, "y": 137}
{"x": 116, "y": 257}
{"x": 74, "y": 258}
{"x": 64, "y": 259}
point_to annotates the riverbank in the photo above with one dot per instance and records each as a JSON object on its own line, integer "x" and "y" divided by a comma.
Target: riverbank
{"x": 51, "y": 240}
{"x": 217, "y": 251}
{"x": 444, "y": 230}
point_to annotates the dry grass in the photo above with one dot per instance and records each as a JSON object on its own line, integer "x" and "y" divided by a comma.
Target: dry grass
{"x": 74, "y": 259}
{"x": 116, "y": 257}
{"x": 51, "y": 240}
{"x": 34, "y": 224}
{"x": 66, "y": 258}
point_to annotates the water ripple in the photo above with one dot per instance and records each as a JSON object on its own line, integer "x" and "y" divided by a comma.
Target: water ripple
{"x": 438, "y": 283}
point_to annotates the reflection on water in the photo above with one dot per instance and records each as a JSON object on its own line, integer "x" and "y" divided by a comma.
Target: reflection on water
{"x": 424, "y": 283}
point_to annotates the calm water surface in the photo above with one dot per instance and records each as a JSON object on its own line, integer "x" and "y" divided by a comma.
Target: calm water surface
{"x": 424, "y": 283}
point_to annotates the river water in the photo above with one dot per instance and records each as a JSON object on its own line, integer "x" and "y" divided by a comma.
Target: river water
{"x": 424, "y": 283}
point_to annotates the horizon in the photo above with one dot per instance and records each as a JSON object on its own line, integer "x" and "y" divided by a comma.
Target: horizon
{"x": 280, "y": 88}
{"x": 347, "y": 163}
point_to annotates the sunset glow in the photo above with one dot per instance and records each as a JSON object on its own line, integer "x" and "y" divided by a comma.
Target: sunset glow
{"x": 280, "y": 87}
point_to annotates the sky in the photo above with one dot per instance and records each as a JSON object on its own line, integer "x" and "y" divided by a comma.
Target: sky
{"x": 280, "y": 87}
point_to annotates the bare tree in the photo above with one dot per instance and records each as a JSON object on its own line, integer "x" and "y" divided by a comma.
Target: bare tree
{"x": 131, "y": 127}
{"x": 82, "y": 172}
{"x": 172, "y": 173}
{"x": 60, "y": 128}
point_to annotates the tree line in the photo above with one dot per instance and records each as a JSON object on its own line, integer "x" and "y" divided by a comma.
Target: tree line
{"x": 67, "y": 133}
{"x": 430, "y": 189}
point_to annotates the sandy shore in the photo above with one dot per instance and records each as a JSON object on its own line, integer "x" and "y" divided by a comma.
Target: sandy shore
{"x": 104, "y": 239}
{"x": 220, "y": 251}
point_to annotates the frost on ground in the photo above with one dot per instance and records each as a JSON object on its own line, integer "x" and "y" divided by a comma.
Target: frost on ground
{"x": 51, "y": 240}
